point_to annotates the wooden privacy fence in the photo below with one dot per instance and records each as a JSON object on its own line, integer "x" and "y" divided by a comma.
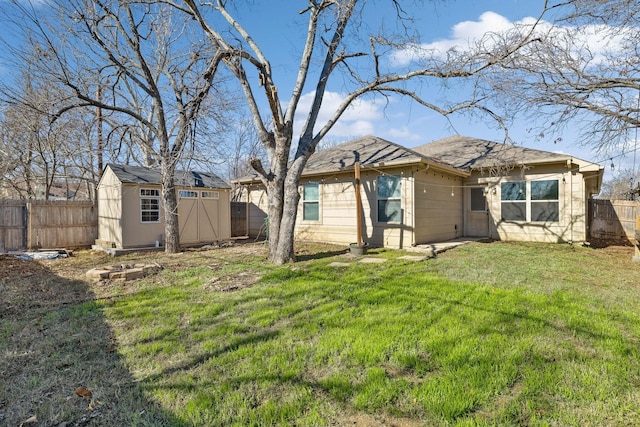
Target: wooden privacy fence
{"x": 29, "y": 224}
{"x": 238, "y": 219}
{"x": 614, "y": 219}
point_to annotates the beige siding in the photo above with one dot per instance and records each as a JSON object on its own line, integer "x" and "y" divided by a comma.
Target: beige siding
{"x": 438, "y": 204}
{"x": 136, "y": 233}
{"x": 110, "y": 209}
{"x": 337, "y": 221}
{"x": 572, "y": 223}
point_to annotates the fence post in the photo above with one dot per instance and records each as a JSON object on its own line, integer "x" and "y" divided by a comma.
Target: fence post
{"x": 29, "y": 228}
{"x": 636, "y": 255}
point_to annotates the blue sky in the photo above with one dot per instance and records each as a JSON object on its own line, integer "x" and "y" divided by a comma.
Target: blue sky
{"x": 441, "y": 23}
{"x": 279, "y": 29}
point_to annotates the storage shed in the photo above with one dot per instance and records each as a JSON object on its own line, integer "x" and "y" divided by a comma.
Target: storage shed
{"x": 130, "y": 212}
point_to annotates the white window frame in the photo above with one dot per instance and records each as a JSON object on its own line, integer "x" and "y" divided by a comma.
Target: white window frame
{"x": 187, "y": 194}
{"x": 307, "y": 202}
{"x": 149, "y": 196}
{"x": 210, "y": 194}
{"x": 389, "y": 199}
{"x": 528, "y": 202}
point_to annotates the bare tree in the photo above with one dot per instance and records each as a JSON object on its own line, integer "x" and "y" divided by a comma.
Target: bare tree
{"x": 582, "y": 72}
{"x": 136, "y": 60}
{"x": 336, "y": 43}
{"x": 623, "y": 186}
{"x": 40, "y": 154}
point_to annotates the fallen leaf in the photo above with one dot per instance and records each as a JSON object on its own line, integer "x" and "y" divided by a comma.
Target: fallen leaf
{"x": 83, "y": 392}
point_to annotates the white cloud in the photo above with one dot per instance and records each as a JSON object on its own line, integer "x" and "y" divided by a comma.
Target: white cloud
{"x": 463, "y": 35}
{"x": 597, "y": 41}
{"x": 359, "y": 119}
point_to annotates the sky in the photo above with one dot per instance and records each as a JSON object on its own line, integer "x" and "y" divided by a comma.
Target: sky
{"x": 442, "y": 25}
{"x": 278, "y": 28}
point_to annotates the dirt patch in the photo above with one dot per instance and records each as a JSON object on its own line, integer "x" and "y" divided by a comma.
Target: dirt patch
{"x": 55, "y": 341}
{"x": 28, "y": 285}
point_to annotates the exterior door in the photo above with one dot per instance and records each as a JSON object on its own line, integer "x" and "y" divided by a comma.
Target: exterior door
{"x": 198, "y": 213}
{"x": 476, "y": 212}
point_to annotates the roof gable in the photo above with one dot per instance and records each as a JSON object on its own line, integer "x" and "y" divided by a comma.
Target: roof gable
{"x": 368, "y": 150}
{"x": 473, "y": 153}
{"x": 140, "y": 175}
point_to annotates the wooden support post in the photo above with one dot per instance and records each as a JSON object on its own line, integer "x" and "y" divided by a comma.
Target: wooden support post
{"x": 636, "y": 255}
{"x": 358, "y": 206}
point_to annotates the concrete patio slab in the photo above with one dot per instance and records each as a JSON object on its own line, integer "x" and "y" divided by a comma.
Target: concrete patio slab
{"x": 373, "y": 260}
{"x": 440, "y": 247}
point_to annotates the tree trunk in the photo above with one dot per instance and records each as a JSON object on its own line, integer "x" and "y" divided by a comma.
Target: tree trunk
{"x": 170, "y": 205}
{"x": 284, "y": 203}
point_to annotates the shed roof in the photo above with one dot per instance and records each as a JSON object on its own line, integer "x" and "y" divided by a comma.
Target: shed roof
{"x": 141, "y": 175}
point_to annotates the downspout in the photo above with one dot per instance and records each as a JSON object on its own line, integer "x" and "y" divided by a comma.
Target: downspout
{"x": 413, "y": 207}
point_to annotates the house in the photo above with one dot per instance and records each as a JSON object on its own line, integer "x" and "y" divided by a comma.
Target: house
{"x": 454, "y": 187}
{"x": 130, "y": 213}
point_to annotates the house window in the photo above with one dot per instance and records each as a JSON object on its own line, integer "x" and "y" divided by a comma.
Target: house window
{"x": 311, "y": 202}
{"x": 514, "y": 201}
{"x": 149, "y": 205}
{"x": 478, "y": 201}
{"x": 388, "y": 193}
{"x": 210, "y": 195}
{"x": 537, "y": 201}
{"x": 186, "y": 194}
{"x": 545, "y": 205}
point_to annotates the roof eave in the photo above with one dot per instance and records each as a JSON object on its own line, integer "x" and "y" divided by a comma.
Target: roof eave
{"x": 381, "y": 165}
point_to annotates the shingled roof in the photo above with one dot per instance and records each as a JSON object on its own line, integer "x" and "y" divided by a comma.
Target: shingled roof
{"x": 472, "y": 153}
{"x": 370, "y": 151}
{"x": 141, "y": 175}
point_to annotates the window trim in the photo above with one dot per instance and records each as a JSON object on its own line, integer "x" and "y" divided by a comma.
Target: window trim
{"x": 528, "y": 201}
{"x": 210, "y": 194}
{"x": 187, "y": 194}
{"x": 149, "y": 194}
{"x": 387, "y": 199}
{"x": 484, "y": 199}
{"x": 306, "y": 202}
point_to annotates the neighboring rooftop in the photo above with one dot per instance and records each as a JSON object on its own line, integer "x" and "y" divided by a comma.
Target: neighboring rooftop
{"x": 141, "y": 175}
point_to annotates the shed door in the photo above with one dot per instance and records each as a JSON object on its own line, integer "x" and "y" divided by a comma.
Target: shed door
{"x": 188, "y": 219}
{"x": 198, "y": 216}
{"x": 208, "y": 219}
{"x": 476, "y": 213}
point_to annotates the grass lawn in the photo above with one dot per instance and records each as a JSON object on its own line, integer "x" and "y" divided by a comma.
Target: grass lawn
{"x": 485, "y": 334}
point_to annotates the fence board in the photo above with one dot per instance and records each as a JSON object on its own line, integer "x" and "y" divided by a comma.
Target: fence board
{"x": 614, "y": 219}
{"x": 12, "y": 225}
{"x": 48, "y": 224}
{"x": 238, "y": 219}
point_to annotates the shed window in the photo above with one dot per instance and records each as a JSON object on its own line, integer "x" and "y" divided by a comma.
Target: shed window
{"x": 389, "y": 198}
{"x": 149, "y": 205}
{"x": 311, "y": 201}
{"x": 210, "y": 195}
{"x": 186, "y": 194}
{"x": 536, "y": 201}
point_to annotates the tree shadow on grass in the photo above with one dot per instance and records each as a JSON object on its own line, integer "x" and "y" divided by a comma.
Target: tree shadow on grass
{"x": 319, "y": 255}
{"x": 54, "y": 339}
